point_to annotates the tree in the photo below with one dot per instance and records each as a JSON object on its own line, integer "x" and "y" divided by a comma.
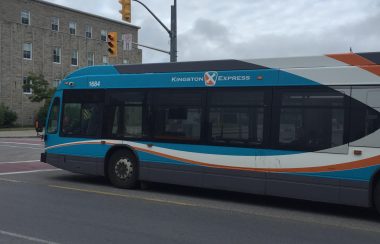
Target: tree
{"x": 41, "y": 92}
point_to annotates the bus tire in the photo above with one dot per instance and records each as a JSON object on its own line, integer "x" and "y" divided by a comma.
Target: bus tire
{"x": 122, "y": 169}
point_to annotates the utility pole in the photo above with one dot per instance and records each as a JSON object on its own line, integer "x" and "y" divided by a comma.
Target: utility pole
{"x": 172, "y": 32}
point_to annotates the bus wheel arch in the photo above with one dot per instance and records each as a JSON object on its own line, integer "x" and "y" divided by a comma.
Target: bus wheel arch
{"x": 122, "y": 157}
{"x": 375, "y": 191}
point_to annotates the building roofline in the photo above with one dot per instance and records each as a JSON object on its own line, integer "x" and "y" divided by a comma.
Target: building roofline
{"x": 86, "y": 13}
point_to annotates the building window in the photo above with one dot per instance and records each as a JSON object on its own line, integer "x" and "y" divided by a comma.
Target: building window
{"x": 27, "y": 51}
{"x": 73, "y": 28}
{"x": 26, "y": 87}
{"x": 88, "y": 31}
{"x": 103, "y": 35}
{"x": 57, "y": 55}
{"x": 56, "y": 82}
{"x": 55, "y": 24}
{"x": 74, "y": 58}
{"x": 90, "y": 58}
{"x": 105, "y": 59}
{"x": 25, "y": 17}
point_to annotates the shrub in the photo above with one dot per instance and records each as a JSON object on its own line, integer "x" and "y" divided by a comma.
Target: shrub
{"x": 7, "y": 116}
{"x": 2, "y": 110}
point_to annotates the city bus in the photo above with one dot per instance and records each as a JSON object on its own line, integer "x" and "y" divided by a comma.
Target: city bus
{"x": 301, "y": 127}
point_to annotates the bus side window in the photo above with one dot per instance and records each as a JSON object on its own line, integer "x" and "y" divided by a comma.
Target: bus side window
{"x": 90, "y": 121}
{"x": 236, "y": 116}
{"x": 52, "y": 127}
{"x": 82, "y": 112}
{"x": 178, "y": 116}
{"x": 71, "y": 119}
{"x": 365, "y": 115}
{"x": 125, "y": 114}
{"x": 309, "y": 119}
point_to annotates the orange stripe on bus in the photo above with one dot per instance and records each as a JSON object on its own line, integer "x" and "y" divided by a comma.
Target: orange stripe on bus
{"x": 351, "y": 59}
{"x": 363, "y": 163}
{"x": 336, "y": 167}
{"x": 358, "y": 61}
{"x": 374, "y": 69}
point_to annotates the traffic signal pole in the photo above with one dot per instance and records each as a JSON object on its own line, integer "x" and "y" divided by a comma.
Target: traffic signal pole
{"x": 172, "y": 33}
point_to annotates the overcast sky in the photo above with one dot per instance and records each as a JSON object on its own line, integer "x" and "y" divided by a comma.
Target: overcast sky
{"x": 242, "y": 29}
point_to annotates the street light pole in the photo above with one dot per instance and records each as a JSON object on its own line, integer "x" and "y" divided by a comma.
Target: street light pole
{"x": 173, "y": 36}
{"x": 172, "y": 33}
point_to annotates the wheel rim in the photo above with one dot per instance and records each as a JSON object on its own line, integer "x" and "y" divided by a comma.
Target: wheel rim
{"x": 123, "y": 168}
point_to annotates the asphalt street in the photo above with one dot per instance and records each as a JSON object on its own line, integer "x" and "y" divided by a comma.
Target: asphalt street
{"x": 40, "y": 204}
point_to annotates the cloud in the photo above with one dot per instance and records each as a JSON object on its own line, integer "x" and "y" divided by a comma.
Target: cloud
{"x": 212, "y": 40}
{"x": 277, "y": 28}
{"x": 210, "y": 29}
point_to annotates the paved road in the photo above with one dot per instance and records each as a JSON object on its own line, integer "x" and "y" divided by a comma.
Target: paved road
{"x": 21, "y": 154}
{"x": 54, "y": 206}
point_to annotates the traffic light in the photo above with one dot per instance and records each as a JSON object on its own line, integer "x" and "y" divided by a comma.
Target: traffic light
{"x": 125, "y": 10}
{"x": 112, "y": 44}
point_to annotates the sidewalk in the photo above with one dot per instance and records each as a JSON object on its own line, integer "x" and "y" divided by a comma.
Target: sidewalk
{"x": 18, "y": 133}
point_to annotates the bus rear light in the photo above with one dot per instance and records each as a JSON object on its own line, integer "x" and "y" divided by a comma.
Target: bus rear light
{"x": 357, "y": 152}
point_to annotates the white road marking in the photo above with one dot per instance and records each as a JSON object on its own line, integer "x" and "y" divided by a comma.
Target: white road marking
{"x": 25, "y": 143}
{"x": 37, "y": 148}
{"x": 21, "y": 143}
{"x": 16, "y": 162}
{"x": 28, "y": 238}
{"x": 29, "y": 171}
{"x": 10, "y": 180}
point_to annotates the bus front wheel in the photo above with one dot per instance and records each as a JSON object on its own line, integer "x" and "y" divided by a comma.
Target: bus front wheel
{"x": 122, "y": 169}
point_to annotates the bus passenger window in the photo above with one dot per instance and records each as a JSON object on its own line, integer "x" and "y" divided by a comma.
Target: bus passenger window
{"x": 178, "y": 115}
{"x": 364, "y": 120}
{"x": 229, "y": 124}
{"x": 82, "y": 113}
{"x": 133, "y": 121}
{"x": 309, "y": 119}
{"x": 179, "y": 123}
{"x": 126, "y": 115}
{"x": 81, "y": 119}
{"x": 236, "y": 117}
{"x": 71, "y": 119}
{"x": 90, "y": 121}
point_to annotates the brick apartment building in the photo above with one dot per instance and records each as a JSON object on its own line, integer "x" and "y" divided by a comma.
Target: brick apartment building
{"x": 49, "y": 39}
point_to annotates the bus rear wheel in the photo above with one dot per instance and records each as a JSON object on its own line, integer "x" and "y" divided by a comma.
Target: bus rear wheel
{"x": 122, "y": 169}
